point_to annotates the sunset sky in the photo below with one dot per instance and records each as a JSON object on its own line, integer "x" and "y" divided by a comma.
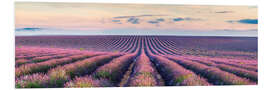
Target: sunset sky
{"x": 134, "y": 19}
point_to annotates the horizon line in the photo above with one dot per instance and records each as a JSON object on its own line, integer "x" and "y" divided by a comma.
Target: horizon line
{"x": 142, "y": 35}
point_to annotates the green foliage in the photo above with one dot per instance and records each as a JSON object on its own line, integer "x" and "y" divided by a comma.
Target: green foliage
{"x": 82, "y": 49}
{"x": 103, "y": 74}
{"x": 33, "y": 85}
{"x": 180, "y": 79}
{"x": 58, "y": 77}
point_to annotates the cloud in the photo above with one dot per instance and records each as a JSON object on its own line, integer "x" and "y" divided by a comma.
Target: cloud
{"x": 224, "y": 12}
{"x": 136, "y": 19}
{"x": 185, "y": 19}
{"x": 160, "y": 19}
{"x": 157, "y": 21}
{"x": 192, "y": 19}
{"x": 119, "y": 17}
{"x": 178, "y": 19}
{"x": 116, "y": 20}
{"x": 244, "y": 21}
{"x": 133, "y": 20}
{"x": 230, "y": 21}
{"x": 153, "y": 22}
{"x": 248, "y": 21}
{"x": 151, "y": 15}
{"x": 28, "y": 29}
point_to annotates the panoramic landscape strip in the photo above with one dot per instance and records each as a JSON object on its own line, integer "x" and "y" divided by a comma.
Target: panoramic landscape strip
{"x": 78, "y": 45}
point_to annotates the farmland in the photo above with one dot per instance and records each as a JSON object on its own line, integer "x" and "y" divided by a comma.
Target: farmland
{"x": 132, "y": 61}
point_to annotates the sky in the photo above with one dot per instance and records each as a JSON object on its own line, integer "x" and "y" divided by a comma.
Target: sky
{"x": 39, "y": 18}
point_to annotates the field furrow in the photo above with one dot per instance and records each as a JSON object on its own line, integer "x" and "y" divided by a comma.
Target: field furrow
{"x": 131, "y": 61}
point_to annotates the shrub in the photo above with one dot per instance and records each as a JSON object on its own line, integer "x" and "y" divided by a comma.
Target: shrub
{"x": 115, "y": 69}
{"x": 213, "y": 74}
{"x": 144, "y": 73}
{"x": 176, "y": 74}
{"x": 86, "y": 82}
{"x": 58, "y": 77}
{"x": 37, "y": 80}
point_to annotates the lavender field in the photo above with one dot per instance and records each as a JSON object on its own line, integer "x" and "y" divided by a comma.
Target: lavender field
{"x": 120, "y": 61}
